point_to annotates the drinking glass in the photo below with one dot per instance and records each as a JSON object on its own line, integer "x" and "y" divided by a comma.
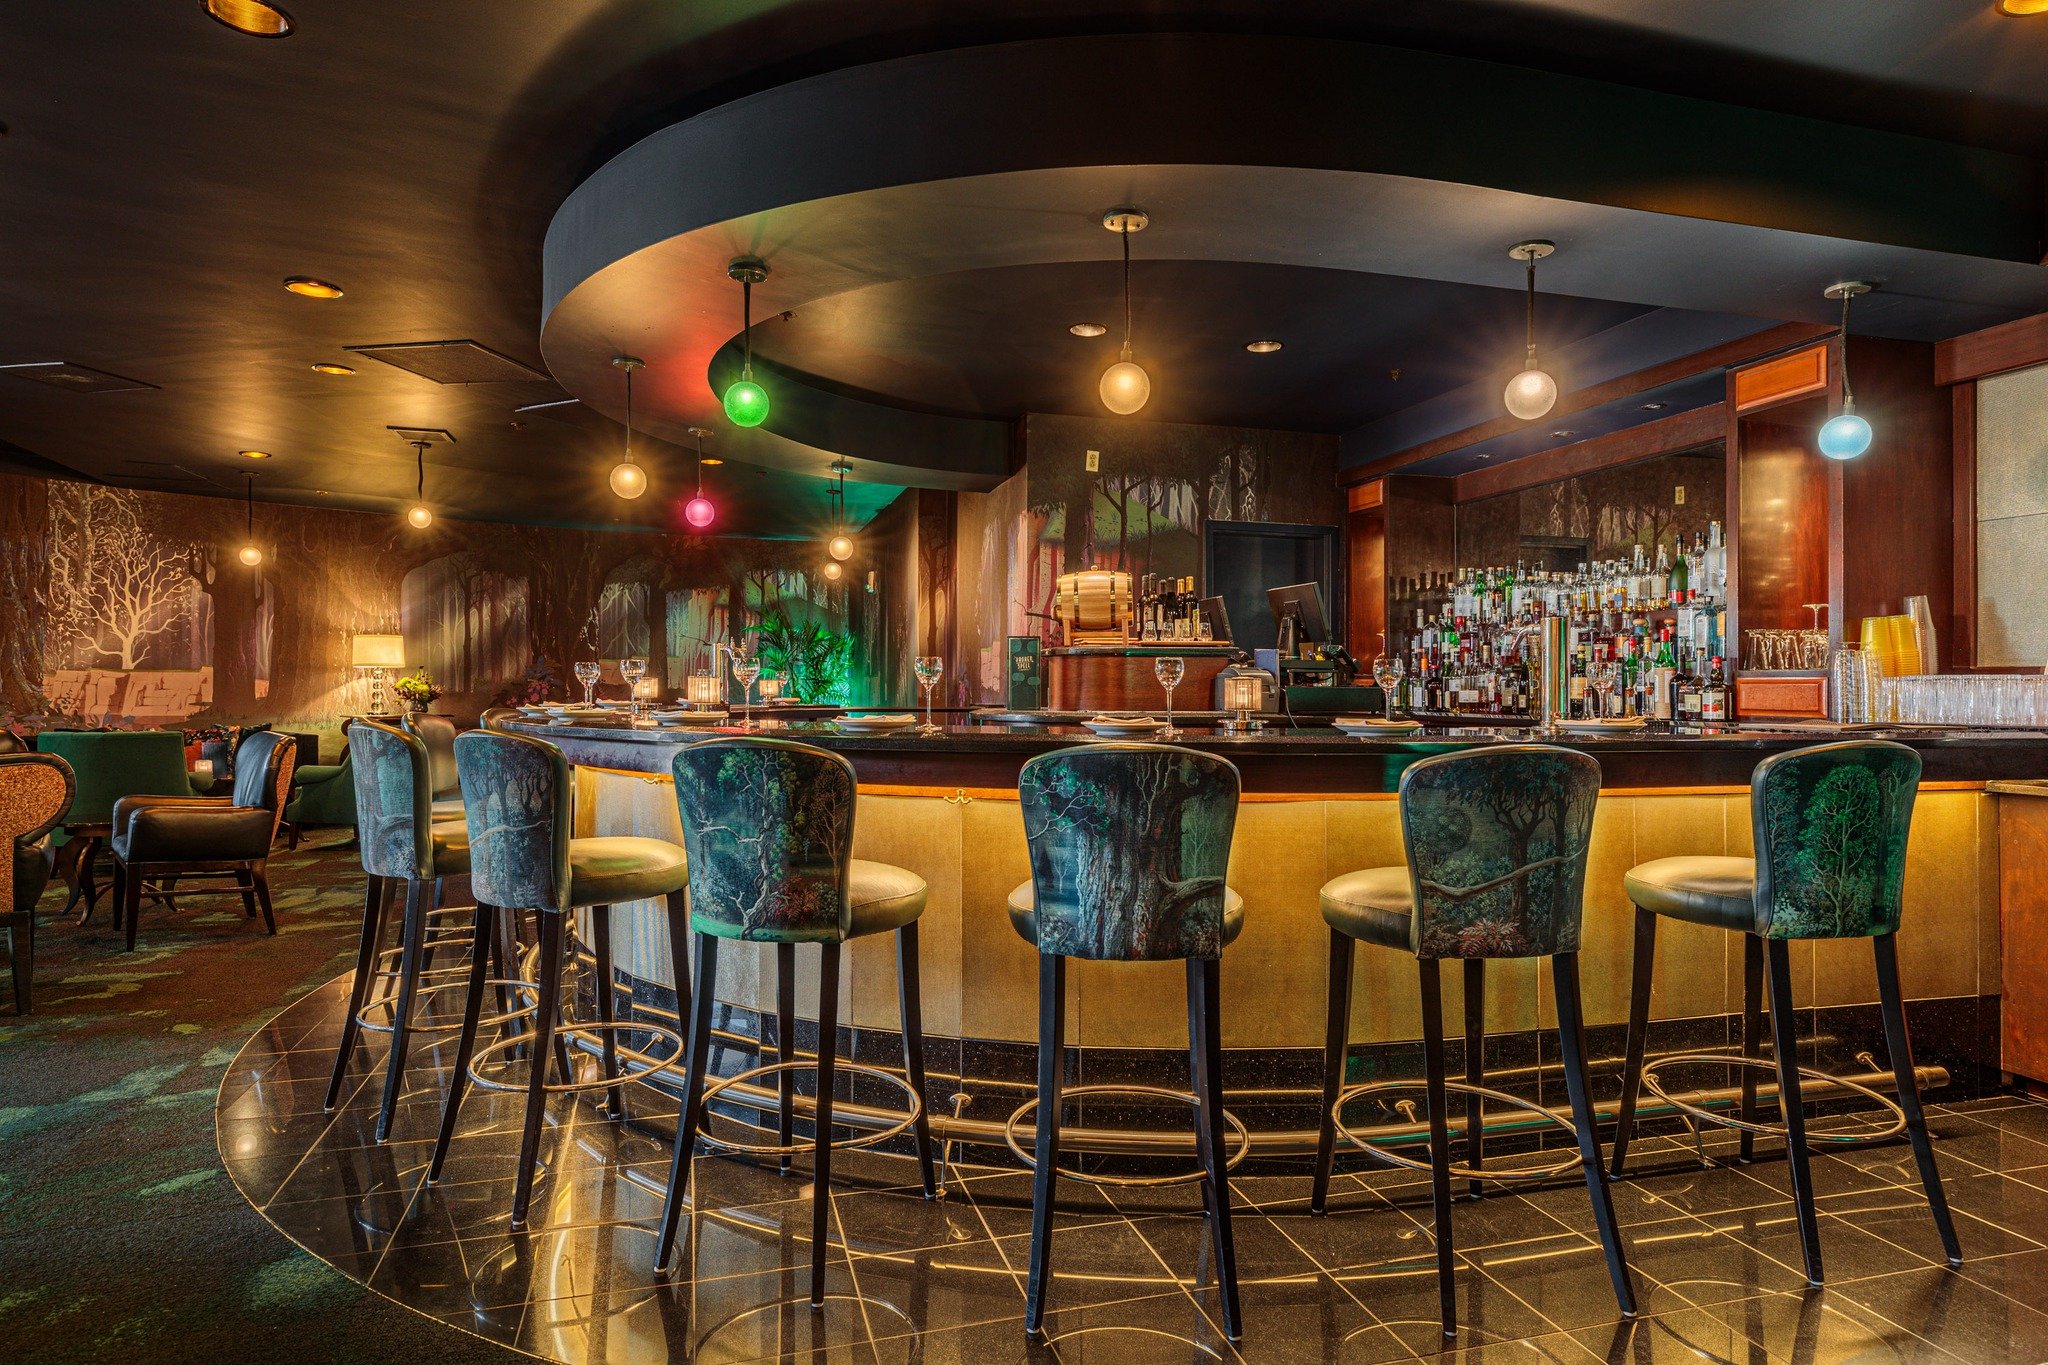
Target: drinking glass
{"x": 1601, "y": 682}
{"x": 1387, "y": 671}
{"x": 587, "y": 673}
{"x": 929, "y": 669}
{"x": 746, "y": 668}
{"x": 633, "y": 670}
{"x": 1169, "y": 669}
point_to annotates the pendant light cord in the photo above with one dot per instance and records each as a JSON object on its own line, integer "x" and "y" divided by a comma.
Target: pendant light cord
{"x": 1848, "y": 398}
{"x": 419, "y": 488}
{"x": 1125, "y": 233}
{"x": 629, "y": 414}
{"x": 1530, "y": 314}
{"x": 700, "y": 465}
{"x": 747, "y": 328}
{"x": 251, "y": 523}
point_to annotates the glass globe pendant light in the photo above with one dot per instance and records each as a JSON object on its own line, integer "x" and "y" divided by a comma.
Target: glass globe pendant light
{"x": 699, "y": 511}
{"x": 1845, "y": 435}
{"x": 1125, "y": 387}
{"x": 840, "y": 547}
{"x": 1533, "y": 392}
{"x": 628, "y": 480}
{"x": 746, "y": 402}
{"x": 419, "y": 514}
{"x": 251, "y": 553}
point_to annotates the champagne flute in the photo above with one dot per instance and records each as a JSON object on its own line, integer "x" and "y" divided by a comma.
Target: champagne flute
{"x": 929, "y": 668}
{"x": 633, "y": 670}
{"x": 587, "y": 673}
{"x": 745, "y": 669}
{"x": 1169, "y": 669}
{"x": 1387, "y": 671}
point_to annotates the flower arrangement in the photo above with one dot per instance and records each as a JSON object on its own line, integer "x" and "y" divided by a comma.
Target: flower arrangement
{"x": 539, "y": 685}
{"x": 417, "y": 691}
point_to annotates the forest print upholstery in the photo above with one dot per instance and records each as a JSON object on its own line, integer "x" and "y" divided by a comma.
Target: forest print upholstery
{"x": 520, "y": 804}
{"x": 1831, "y": 825}
{"x": 1129, "y": 844}
{"x": 768, "y": 829}
{"x": 393, "y": 798}
{"x": 1497, "y": 848}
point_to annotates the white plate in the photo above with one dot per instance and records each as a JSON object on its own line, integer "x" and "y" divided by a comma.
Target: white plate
{"x": 1360, "y": 725}
{"x": 875, "y": 722}
{"x": 690, "y": 717}
{"x": 1611, "y": 726}
{"x": 1124, "y": 725}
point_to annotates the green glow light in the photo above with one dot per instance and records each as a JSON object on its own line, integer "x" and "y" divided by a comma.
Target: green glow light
{"x": 746, "y": 403}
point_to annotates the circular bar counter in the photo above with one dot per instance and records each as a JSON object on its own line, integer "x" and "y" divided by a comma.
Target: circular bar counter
{"x": 1316, "y": 804}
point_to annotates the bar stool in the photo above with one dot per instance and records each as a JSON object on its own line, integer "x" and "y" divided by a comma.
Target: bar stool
{"x": 1129, "y": 843}
{"x": 1496, "y": 842}
{"x": 520, "y": 804}
{"x": 769, "y": 828}
{"x": 1830, "y": 825}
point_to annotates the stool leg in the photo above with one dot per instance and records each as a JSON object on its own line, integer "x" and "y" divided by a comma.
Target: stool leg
{"x": 910, "y": 1007}
{"x": 1336, "y": 1042}
{"x": 130, "y": 901}
{"x": 537, "y": 1072}
{"x": 1638, "y": 1035}
{"x": 359, "y": 988}
{"x": 1785, "y": 1042}
{"x": 1439, "y": 1140}
{"x": 1571, "y": 1039}
{"x": 259, "y": 873}
{"x": 1899, "y": 1042}
{"x": 413, "y": 930}
{"x": 821, "y": 1141}
{"x": 702, "y": 993}
{"x": 1052, "y": 1048}
{"x": 1475, "y": 1064}
{"x": 1752, "y": 1031}
{"x": 785, "y": 1047}
{"x": 607, "y": 1005}
{"x": 465, "y": 1043}
{"x": 1205, "y": 1046}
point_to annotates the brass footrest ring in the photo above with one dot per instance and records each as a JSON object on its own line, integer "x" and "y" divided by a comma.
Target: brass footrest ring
{"x": 651, "y": 1065}
{"x": 1502, "y": 1173}
{"x": 384, "y": 1006}
{"x": 719, "y": 1087}
{"x": 1724, "y": 1119}
{"x": 1127, "y": 1182}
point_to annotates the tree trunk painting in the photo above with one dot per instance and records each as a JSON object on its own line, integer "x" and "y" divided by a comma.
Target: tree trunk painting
{"x": 237, "y": 594}
{"x": 25, "y": 590}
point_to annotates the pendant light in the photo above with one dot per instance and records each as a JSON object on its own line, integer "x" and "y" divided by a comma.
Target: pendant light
{"x": 1125, "y": 387}
{"x": 1845, "y": 435}
{"x": 629, "y": 480}
{"x": 1533, "y": 392}
{"x": 746, "y": 402}
{"x": 699, "y": 511}
{"x": 840, "y": 547}
{"x": 251, "y": 553}
{"x": 419, "y": 514}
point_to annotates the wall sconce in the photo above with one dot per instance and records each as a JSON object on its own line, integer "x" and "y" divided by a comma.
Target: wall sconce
{"x": 704, "y": 690}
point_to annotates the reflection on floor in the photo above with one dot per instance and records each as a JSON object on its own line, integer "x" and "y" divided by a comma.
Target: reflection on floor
{"x": 1715, "y": 1248}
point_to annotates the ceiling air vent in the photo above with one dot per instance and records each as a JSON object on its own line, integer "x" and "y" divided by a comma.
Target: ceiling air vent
{"x": 62, "y": 374}
{"x": 452, "y": 362}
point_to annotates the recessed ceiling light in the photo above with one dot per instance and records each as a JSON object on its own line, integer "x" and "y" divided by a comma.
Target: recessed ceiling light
{"x": 2019, "y": 9}
{"x": 307, "y": 287}
{"x": 1483, "y": 455}
{"x": 254, "y": 454}
{"x": 252, "y": 17}
{"x": 1655, "y": 407}
{"x": 329, "y": 367}
{"x": 1266, "y": 347}
{"x": 1087, "y": 329}
{"x": 710, "y": 460}
{"x": 1562, "y": 431}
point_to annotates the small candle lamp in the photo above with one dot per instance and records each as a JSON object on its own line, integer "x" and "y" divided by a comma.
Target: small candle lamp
{"x": 1241, "y": 694}
{"x": 771, "y": 688}
{"x": 202, "y": 769}
{"x": 704, "y": 690}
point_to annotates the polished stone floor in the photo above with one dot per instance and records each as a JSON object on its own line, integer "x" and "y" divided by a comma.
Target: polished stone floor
{"x": 1714, "y": 1247}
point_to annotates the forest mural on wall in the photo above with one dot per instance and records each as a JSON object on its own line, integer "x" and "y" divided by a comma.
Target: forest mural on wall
{"x": 130, "y": 608}
{"x": 1612, "y": 510}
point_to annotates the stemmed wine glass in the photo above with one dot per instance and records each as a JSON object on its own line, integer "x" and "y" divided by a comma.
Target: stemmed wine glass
{"x": 929, "y": 669}
{"x": 745, "y": 669}
{"x": 1169, "y": 669}
{"x": 587, "y": 673}
{"x": 1601, "y": 681}
{"x": 633, "y": 670}
{"x": 1387, "y": 671}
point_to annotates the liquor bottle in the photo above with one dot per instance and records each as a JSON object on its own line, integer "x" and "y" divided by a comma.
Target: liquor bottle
{"x": 1665, "y": 675}
{"x": 1713, "y": 695}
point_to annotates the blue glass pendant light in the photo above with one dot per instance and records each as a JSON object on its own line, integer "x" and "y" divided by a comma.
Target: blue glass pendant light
{"x": 1845, "y": 435}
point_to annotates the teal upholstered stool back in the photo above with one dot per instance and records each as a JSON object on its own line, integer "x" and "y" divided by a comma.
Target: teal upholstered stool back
{"x": 768, "y": 827}
{"x": 394, "y": 801}
{"x": 111, "y": 764}
{"x": 35, "y": 792}
{"x": 1831, "y": 825}
{"x": 521, "y": 805}
{"x": 1497, "y": 848}
{"x": 1129, "y": 843}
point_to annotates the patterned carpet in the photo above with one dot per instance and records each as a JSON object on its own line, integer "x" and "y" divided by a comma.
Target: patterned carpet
{"x": 120, "y": 1235}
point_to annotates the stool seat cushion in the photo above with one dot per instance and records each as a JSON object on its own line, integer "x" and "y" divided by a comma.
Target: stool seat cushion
{"x": 616, "y": 868}
{"x": 882, "y": 898}
{"x": 1024, "y": 916}
{"x": 446, "y": 808}
{"x": 1375, "y": 905}
{"x": 1710, "y": 891}
{"x": 451, "y": 848}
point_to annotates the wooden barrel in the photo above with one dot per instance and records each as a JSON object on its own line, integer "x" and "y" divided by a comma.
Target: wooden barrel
{"x": 1093, "y": 600}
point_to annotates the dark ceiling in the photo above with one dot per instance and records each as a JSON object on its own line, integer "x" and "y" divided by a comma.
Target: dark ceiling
{"x": 159, "y": 175}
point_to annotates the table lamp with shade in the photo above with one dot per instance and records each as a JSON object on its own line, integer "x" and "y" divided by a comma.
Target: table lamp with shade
{"x": 377, "y": 654}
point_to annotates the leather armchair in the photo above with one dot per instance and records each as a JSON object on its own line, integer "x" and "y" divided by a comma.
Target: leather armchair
{"x": 164, "y": 839}
{"x": 36, "y": 791}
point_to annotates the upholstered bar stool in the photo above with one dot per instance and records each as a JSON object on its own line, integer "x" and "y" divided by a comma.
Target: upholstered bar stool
{"x": 1496, "y": 842}
{"x": 769, "y": 828}
{"x": 35, "y": 792}
{"x": 1830, "y": 831}
{"x": 520, "y": 804}
{"x": 1129, "y": 844}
